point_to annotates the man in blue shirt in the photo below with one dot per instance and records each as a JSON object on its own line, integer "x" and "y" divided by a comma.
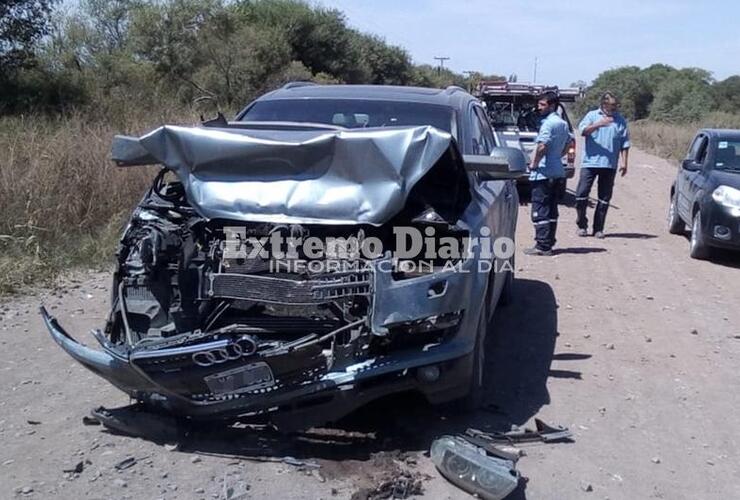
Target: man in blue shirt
{"x": 607, "y": 138}
{"x": 546, "y": 169}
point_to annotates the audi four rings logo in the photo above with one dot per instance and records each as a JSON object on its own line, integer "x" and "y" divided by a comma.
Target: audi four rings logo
{"x": 241, "y": 348}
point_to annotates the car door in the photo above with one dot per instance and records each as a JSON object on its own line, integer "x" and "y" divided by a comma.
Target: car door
{"x": 698, "y": 179}
{"x": 491, "y": 191}
{"x": 685, "y": 182}
{"x": 506, "y": 220}
{"x": 499, "y": 194}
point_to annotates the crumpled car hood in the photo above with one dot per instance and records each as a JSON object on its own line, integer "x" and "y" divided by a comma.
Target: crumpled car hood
{"x": 288, "y": 176}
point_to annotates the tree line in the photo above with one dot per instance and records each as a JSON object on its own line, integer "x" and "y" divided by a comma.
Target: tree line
{"x": 663, "y": 93}
{"x": 104, "y": 56}
{"x": 108, "y": 53}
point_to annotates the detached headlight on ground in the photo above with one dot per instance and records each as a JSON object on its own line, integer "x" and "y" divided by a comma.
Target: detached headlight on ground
{"x": 469, "y": 468}
{"x": 728, "y": 197}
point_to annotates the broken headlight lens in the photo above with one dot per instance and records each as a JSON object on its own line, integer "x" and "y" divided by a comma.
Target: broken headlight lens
{"x": 471, "y": 469}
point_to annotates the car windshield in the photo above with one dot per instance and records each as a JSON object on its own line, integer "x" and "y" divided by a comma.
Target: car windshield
{"x": 351, "y": 113}
{"x": 727, "y": 156}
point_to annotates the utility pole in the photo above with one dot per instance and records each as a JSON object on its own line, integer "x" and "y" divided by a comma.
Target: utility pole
{"x": 534, "y": 78}
{"x": 441, "y": 63}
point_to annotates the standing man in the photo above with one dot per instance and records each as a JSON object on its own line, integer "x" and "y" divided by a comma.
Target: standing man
{"x": 607, "y": 138}
{"x": 546, "y": 169}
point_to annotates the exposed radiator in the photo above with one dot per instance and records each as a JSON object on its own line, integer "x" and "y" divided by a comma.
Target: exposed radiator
{"x": 287, "y": 291}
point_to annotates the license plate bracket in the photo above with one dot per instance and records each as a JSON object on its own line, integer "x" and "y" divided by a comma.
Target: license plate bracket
{"x": 246, "y": 378}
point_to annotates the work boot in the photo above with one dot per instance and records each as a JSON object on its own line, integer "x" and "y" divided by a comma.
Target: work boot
{"x": 582, "y": 232}
{"x": 600, "y": 235}
{"x": 537, "y": 251}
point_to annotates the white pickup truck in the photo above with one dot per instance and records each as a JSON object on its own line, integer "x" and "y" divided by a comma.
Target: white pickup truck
{"x": 512, "y": 110}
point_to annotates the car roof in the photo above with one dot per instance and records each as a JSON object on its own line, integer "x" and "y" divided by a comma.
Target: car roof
{"x": 722, "y": 133}
{"x": 454, "y": 97}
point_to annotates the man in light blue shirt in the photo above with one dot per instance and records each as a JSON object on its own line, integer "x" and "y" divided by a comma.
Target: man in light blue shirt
{"x": 546, "y": 169}
{"x": 607, "y": 139}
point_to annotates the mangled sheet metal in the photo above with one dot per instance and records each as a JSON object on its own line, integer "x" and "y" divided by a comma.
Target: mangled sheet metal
{"x": 289, "y": 176}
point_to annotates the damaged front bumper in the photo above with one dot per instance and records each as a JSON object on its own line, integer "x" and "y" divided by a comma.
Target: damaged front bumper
{"x": 165, "y": 379}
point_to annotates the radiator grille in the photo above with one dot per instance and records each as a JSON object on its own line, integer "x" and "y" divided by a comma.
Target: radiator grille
{"x": 287, "y": 291}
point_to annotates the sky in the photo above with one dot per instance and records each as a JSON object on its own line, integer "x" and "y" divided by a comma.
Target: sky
{"x": 571, "y": 39}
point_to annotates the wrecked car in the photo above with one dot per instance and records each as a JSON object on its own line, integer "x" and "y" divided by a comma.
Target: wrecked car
{"x": 221, "y": 311}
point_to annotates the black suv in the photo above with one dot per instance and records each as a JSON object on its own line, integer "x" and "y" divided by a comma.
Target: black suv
{"x": 706, "y": 193}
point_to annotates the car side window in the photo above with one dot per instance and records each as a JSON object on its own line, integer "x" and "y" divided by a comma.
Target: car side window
{"x": 486, "y": 129}
{"x": 476, "y": 136}
{"x": 694, "y": 148}
{"x": 701, "y": 154}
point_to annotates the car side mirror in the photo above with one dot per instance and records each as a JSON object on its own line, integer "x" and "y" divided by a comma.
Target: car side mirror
{"x": 688, "y": 164}
{"x": 503, "y": 163}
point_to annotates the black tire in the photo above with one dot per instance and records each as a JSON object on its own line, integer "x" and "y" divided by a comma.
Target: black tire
{"x": 675, "y": 224}
{"x": 474, "y": 397}
{"x": 698, "y": 248}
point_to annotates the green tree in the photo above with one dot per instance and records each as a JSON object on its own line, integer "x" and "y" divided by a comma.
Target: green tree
{"x": 240, "y": 62}
{"x": 727, "y": 94}
{"x": 629, "y": 84}
{"x": 318, "y": 37}
{"x": 22, "y": 24}
{"x": 89, "y": 49}
{"x": 656, "y": 74}
{"x": 681, "y": 99}
{"x": 384, "y": 64}
{"x": 426, "y": 75}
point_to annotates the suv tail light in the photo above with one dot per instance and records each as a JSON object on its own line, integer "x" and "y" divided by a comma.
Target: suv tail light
{"x": 571, "y": 153}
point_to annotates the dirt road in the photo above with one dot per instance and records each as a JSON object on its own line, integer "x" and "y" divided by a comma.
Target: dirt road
{"x": 625, "y": 340}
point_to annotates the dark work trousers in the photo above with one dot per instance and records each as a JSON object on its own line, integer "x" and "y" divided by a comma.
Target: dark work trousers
{"x": 545, "y": 212}
{"x": 604, "y": 193}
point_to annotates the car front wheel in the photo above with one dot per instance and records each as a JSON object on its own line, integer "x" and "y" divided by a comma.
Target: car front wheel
{"x": 698, "y": 248}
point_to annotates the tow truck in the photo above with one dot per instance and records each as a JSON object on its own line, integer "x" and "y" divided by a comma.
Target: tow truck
{"x": 512, "y": 110}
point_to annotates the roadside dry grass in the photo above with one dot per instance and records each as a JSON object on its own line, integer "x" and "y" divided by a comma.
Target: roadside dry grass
{"x": 62, "y": 202}
{"x": 671, "y": 140}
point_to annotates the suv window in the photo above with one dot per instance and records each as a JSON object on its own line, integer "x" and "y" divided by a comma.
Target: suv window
{"x": 701, "y": 154}
{"x": 694, "y": 148}
{"x": 481, "y": 143}
{"x": 351, "y": 113}
{"x": 727, "y": 155}
{"x": 486, "y": 128}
